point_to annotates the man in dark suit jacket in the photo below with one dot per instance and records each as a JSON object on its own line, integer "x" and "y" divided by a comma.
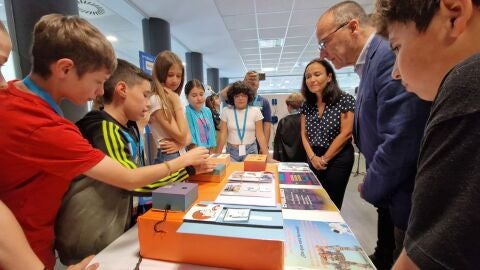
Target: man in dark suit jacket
{"x": 389, "y": 121}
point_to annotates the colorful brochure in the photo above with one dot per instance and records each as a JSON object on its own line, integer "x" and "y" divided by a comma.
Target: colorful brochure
{"x": 322, "y": 245}
{"x": 305, "y": 198}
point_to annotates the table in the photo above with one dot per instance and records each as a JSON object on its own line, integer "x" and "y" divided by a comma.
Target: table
{"x": 123, "y": 253}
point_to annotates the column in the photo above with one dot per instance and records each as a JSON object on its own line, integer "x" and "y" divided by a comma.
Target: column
{"x": 212, "y": 78}
{"x": 223, "y": 83}
{"x": 194, "y": 66}
{"x": 156, "y": 35}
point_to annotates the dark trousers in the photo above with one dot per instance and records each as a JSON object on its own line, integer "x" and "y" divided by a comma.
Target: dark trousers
{"x": 335, "y": 178}
{"x": 399, "y": 236}
{"x": 386, "y": 241}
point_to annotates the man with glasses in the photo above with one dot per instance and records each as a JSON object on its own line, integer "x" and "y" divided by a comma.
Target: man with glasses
{"x": 389, "y": 121}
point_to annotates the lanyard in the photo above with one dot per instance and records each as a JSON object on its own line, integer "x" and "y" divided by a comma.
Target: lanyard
{"x": 255, "y": 101}
{"x": 202, "y": 118}
{"x": 42, "y": 94}
{"x": 241, "y": 134}
{"x": 134, "y": 149}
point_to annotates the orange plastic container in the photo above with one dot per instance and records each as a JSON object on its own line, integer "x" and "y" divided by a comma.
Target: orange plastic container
{"x": 238, "y": 253}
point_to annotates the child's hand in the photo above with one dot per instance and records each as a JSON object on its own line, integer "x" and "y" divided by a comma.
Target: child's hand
{"x": 83, "y": 264}
{"x": 205, "y": 168}
{"x": 170, "y": 146}
{"x": 197, "y": 156}
{"x": 142, "y": 123}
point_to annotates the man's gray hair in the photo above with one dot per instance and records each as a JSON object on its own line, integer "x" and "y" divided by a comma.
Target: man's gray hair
{"x": 348, "y": 10}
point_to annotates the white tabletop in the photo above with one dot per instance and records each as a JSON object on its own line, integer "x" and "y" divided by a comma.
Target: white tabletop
{"x": 123, "y": 254}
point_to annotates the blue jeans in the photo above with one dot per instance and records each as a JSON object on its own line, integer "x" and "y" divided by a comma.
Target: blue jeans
{"x": 162, "y": 157}
{"x": 233, "y": 151}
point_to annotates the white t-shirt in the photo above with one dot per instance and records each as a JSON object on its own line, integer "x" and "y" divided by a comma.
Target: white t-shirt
{"x": 254, "y": 114}
{"x": 157, "y": 131}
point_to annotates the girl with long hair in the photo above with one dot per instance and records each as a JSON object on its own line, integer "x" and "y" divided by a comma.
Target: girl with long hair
{"x": 199, "y": 117}
{"x": 168, "y": 124}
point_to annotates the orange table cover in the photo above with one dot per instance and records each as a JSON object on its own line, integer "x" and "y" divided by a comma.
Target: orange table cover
{"x": 237, "y": 253}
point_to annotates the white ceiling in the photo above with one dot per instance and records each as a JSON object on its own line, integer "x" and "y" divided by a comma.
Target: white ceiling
{"x": 226, "y": 32}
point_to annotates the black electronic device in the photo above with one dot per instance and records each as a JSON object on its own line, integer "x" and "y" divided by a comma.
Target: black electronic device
{"x": 261, "y": 76}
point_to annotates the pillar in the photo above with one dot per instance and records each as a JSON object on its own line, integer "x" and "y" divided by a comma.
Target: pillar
{"x": 156, "y": 35}
{"x": 194, "y": 66}
{"x": 212, "y": 78}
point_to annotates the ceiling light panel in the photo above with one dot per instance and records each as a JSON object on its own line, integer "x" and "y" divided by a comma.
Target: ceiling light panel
{"x": 266, "y": 51}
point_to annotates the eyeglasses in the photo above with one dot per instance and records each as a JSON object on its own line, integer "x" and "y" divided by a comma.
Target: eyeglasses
{"x": 322, "y": 44}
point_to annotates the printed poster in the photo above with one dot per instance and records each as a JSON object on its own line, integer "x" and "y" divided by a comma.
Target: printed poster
{"x": 322, "y": 245}
{"x": 306, "y": 199}
{"x": 298, "y": 178}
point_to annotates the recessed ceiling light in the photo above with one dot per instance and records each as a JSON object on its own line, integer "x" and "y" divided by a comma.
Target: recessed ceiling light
{"x": 271, "y": 43}
{"x": 112, "y": 38}
{"x": 267, "y": 69}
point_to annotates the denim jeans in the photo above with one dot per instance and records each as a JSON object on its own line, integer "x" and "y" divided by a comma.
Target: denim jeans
{"x": 162, "y": 157}
{"x": 233, "y": 151}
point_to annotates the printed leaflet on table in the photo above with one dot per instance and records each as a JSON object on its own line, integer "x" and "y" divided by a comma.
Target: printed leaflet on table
{"x": 322, "y": 245}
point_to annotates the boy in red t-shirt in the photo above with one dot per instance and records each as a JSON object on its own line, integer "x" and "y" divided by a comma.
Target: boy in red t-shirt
{"x": 42, "y": 151}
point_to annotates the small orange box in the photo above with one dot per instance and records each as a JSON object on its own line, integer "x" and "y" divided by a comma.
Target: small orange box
{"x": 220, "y": 159}
{"x": 158, "y": 238}
{"x": 255, "y": 163}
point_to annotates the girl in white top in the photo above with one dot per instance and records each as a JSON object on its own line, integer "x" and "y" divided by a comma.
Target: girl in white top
{"x": 241, "y": 124}
{"x": 167, "y": 121}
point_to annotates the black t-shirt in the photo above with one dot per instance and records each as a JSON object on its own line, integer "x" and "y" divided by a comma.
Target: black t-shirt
{"x": 444, "y": 225}
{"x": 322, "y": 130}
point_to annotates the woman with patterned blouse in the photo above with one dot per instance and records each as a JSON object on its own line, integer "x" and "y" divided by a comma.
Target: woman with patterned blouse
{"x": 326, "y": 128}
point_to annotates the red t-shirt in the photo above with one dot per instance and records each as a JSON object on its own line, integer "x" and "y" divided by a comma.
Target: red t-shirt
{"x": 41, "y": 153}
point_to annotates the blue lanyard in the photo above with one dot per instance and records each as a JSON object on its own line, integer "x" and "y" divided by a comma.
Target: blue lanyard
{"x": 255, "y": 101}
{"x": 42, "y": 94}
{"x": 241, "y": 134}
{"x": 202, "y": 118}
{"x": 134, "y": 149}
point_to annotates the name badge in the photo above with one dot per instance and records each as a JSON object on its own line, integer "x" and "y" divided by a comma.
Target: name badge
{"x": 242, "y": 150}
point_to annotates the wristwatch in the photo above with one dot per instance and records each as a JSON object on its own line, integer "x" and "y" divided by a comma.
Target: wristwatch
{"x": 190, "y": 170}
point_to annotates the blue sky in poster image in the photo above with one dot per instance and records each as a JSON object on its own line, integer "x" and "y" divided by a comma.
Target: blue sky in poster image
{"x": 322, "y": 233}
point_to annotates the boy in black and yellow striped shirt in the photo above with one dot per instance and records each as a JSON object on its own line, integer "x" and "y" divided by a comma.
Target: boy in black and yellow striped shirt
{"x": 93, "y": 213}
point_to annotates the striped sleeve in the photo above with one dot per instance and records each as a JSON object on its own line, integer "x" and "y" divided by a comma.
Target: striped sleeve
{"x": 115, "y": 145}
{"x": 178, "y": 176}
{"x": 118, "y": 149}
